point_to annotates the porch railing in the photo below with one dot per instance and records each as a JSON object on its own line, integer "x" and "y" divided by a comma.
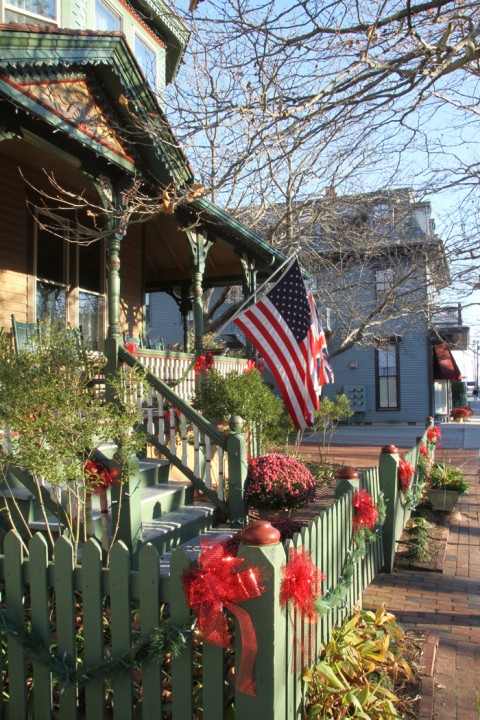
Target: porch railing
{"x": 176, "y": 368}
{"x": 215, "y": 463}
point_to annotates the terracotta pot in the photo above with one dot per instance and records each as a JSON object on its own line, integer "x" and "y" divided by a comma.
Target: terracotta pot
{"x": 442, "y": 499}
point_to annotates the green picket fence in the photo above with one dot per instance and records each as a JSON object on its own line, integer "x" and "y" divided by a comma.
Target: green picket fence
{"x": 82, "y": 614}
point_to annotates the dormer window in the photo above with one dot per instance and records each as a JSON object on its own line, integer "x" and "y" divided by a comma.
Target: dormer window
{"x": 21, "y": 11}
{"x": 147, "y": 59}
{"x": 106, "y": 18}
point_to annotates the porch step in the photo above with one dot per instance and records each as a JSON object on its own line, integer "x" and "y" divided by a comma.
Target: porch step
{"x": 153, "y": 471}
{"x": 158, "y": 500}
{"x": 192, "y": 547}
{"x": 178, "y": 526}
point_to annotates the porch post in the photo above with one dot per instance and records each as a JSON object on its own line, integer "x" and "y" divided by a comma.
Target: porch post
{"x": 113, "y": 340}
{"x": 199, "y": 245}
{"x": 249, "y": 287}
{"x": 185, "y": 307}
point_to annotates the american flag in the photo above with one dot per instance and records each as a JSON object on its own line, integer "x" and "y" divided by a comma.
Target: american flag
{"x": 283, "y": 329}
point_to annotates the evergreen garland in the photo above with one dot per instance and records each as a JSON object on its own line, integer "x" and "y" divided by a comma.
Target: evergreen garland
{"x": 163, "y": 639}
{"x": 414, "y": 495}
{"x": 336, "y": 597}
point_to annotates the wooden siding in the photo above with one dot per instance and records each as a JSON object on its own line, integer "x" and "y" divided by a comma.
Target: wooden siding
{"x": 13, "y": 246}
{"x": 131, "y": 289}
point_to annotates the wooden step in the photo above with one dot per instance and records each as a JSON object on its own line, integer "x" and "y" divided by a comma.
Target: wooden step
{"x": 158, "y": 500}
{"x": 192, "y": 547}
{"x": 179, "y": 526}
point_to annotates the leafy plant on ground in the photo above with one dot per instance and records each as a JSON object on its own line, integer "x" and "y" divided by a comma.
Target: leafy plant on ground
{"x": 417, "y": 531}
{"x": 354, "y": 676}
{"x": 326, "y": 420}
{"x": 56, "y": 422}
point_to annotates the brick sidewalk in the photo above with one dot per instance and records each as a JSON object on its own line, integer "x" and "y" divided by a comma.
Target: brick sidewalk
{"x": 446, "y": 603}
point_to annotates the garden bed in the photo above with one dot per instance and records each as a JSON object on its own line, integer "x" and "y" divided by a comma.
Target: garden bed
{"x": 433, "y": 544}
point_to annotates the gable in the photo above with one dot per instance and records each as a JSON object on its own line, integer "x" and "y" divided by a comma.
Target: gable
{"x": 72, "y": 100}
{"x": 90, "y": 88}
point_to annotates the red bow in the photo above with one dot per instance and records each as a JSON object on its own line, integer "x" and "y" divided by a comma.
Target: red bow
{"x": 131, "y": 347}
{"x": 406, "y": 472}
{"x": 216, "y": 585}
{"x": 300, "y": 587}
{"x": 301, "y": 584}
{"x": 366, "y": 513}
{"x": 433, "y": 434}
{"x": 204, "y": 362}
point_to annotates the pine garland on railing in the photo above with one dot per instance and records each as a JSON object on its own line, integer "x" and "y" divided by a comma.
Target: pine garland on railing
{"x": 162, "y": 640}
{"x": 335, "y": 597}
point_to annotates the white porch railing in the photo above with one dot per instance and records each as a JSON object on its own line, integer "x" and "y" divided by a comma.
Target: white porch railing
{"x": 176, "y": 369}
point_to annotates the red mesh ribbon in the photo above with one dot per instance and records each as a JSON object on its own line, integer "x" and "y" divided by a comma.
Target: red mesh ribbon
{"x": 300, "y": 587}
{"x": 405, "y": 473}
{"x": 217, "y": 585}
{"x": 433, "y": 434}
{"x": 366, "y": 513}
{"x": 131, "y": 347}
{"x": 204, "y": 362}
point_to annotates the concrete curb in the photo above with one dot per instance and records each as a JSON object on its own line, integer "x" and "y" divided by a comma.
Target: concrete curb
{"x": 425, "y": 711}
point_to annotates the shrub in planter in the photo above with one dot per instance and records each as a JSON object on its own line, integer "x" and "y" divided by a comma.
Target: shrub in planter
{"x": 278, "y": 482}
{"x": 443, "y": 476}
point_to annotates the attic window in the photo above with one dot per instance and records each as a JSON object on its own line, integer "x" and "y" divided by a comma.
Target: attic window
{"x": 27, "y": 10}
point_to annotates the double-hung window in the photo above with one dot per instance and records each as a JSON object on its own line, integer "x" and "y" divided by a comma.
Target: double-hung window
{"x": 28, "y": 11}
{"x": 70, "y": 278}
{"x": 388, "y": 396}
{"x": 106, "y": 18}
{"x": 147, "y": 59}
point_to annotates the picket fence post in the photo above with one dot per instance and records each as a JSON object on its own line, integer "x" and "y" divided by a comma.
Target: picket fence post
{"x": 260, "y": 547}
{"x": 388, "y": 472}
{"x": 237, "y": 472}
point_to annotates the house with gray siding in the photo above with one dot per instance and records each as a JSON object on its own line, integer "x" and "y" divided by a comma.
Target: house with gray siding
{"x": 403, "y": 372}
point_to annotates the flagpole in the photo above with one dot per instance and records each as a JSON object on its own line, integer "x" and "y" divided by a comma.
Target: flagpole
{"x": 257, "y": 290}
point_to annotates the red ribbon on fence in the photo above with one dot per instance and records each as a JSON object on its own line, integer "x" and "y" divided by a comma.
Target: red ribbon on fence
{"x": 366, "y": 512}
{"x": 300, "y": 587}
{"x": 217, "y": 585}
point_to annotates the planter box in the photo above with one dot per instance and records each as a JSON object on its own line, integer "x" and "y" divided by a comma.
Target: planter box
{"x": 443, "y": 499}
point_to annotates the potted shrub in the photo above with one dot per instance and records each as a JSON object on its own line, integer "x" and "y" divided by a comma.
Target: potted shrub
{"x": 278, "y": 482}
{"x": 445, "y": 484}
{"x": 460, "y": 414}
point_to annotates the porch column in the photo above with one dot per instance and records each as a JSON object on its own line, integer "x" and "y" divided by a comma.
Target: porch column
{"x": 185, "y": 307}
{"x": 113, "y": 340}
{"x": 249, "y": 287}
{"x": 199, "y": 245}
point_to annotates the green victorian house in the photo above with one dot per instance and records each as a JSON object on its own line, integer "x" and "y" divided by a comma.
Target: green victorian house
{"x": 99, "y": 205}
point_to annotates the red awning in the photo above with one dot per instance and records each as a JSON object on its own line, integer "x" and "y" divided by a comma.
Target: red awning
{"x": 444, "y": 365}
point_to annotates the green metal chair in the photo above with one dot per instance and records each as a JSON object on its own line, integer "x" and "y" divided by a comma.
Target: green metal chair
{"x": 25, "y": 335}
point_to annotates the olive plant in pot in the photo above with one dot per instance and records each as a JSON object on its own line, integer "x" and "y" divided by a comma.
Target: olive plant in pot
{"x": 445, "y": 485}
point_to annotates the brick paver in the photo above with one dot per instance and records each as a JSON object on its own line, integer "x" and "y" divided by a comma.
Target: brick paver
{"x": 447, "y": 603}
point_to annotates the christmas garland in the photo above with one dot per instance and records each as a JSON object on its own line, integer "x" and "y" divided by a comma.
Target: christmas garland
{"x": 163, "y": 639}
{"x": 335, "y": 597}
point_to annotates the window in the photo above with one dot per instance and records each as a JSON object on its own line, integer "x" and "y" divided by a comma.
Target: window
{"x": 383, "y": 281}
{"x": 106, "y": 18}
{"x": 25, "y": 10}
{"x": 69, "y": 279}
{"x": 147, "y": 59}
{"x": 52, "y": 273}
{"x": 91, "y": 301}
{"x": 387, "y": 377}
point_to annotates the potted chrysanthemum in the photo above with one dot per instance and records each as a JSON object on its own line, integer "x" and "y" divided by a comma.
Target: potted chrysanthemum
{"x": 278, "y": 482}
